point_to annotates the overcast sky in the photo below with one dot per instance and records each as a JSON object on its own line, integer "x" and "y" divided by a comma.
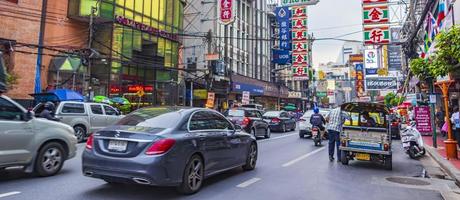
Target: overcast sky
{"x": 330, "y": 18}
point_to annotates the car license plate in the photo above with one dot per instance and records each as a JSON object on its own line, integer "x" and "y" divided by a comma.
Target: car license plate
{"x": 406, "y": 144}
{"x": 363, "y": 156}
{"x": 267, "y": 120}
{"x": 117, "y": 145}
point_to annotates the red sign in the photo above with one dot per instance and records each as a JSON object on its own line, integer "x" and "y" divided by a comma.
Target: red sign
{"x": 136, "y": 88}
{"x": 299, "y": 11}
{"x": 114, "y": 89}
{"x": 374, "y": 1}
{"x": 423, "y": 119}
{"x": 299, "y": 59}
{"x": 226, "y": 11}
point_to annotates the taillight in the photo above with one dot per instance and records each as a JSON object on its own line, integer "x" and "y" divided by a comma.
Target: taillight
{"x": 90, "y": 142}
{"x": 386, "y": 147}
{"x": 160, "y": 146}
{"x": 246, "y": 121}
{"x": 276, "y": 120}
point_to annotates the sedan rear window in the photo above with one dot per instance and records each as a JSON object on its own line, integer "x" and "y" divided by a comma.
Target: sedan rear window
{"x": 235, "y": 113}
{"x": 272, "y": 114}
{"x": 152, "y": 117}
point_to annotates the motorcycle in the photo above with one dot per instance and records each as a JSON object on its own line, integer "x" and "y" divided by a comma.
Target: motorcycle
{"x": 316, "y": 135}
{"x": 412, "y": 141}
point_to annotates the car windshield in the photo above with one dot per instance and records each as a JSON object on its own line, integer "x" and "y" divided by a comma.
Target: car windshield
{"x": 152, "y": 117}
{"x": 272, "y": 114}
{"x": 235, "y": 113}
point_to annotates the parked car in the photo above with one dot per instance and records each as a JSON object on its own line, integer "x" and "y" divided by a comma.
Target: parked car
{"x": 168, "y": 146}
{"x": 39, "y": 145}
{"x": 304, "y": 122}
{"x": 250, "y": 120}
{"x": 280, "y": 121}
{"x": 84, "y": 117}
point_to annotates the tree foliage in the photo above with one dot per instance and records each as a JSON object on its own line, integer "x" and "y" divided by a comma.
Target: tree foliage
{"x": 391, "y": 100}
{"x": 420, "y": 67}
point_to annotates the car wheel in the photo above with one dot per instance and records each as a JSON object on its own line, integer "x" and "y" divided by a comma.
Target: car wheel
{"x": 50, "y": 159}
{"x": 251, "y": 159}
{"x": 388, "y": 162}
{"x": 192, "y": 179}
{"x": 293, "y": 127}
{"x": 80, "y": 132}
{"x": 268, "y": 133}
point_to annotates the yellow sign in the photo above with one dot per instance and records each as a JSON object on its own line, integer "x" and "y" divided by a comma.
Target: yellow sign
{"x": 200, "y": 94}
{"x": 210, "y": 101}
{"x": 140, "y": 93}
{"x": 382, "y": 72}
{"x": 321, "y": 75}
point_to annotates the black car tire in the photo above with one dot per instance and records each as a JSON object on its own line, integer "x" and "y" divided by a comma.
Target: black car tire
{"x": 344, "y": 157}
{"x": 293, "y": 127}
{"x": 52, "y": 153}
{"x": 388, "y": 163}
{"x": 267, "y": 133}
{"x": 194, "y": 171}
{"x": 80, "y": 132}
{"x": 251, "y": 159}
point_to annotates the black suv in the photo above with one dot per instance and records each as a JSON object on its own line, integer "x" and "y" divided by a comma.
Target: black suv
{"x": 250, "y": 120}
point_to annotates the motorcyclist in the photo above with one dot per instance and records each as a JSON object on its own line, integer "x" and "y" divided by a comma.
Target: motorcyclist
{"x": 317, "y": 119}
{"x": 48, "y": 111}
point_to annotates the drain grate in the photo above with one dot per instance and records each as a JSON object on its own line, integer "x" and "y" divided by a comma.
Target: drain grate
{"x": 407, "y": 181}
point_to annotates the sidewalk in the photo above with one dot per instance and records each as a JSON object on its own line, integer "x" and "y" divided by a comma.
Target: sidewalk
{"x": 452, "y": 167}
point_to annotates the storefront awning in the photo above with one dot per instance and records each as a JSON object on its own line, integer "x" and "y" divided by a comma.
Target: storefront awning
{"x": 66, "y": 63}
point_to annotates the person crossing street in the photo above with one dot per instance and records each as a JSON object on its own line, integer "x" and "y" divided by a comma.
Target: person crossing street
{"x": 335, "y": 120}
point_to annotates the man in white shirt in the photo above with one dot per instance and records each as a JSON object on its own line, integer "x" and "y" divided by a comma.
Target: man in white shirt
{"x": 455, "y": 119}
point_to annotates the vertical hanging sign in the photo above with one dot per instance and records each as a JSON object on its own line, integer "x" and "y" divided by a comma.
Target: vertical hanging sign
{"x": 283, "y": 15}
{"x": 300, "y": 53}
{"x": 226, "y": 12}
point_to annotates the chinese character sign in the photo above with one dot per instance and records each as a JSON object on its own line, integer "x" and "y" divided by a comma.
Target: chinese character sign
{"x": 375, "y": 14}
{"x": 374, "y": 1}
{"x": 300, "y": 59}
{"x": 376, "y": 35}
{"x": 283, "y": 15}
{"x": 227, "y": 15}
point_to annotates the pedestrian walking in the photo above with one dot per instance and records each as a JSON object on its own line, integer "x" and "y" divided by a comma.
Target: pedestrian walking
{"x": 335, "y": 120}
{"x": 455, "y": 119}
{"x": 440, "y": 119}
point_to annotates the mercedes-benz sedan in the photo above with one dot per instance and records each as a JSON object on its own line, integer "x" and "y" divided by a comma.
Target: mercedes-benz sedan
{"x": 168, "y": 146}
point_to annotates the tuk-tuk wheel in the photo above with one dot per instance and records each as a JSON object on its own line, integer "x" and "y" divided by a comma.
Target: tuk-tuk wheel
{"x": 388, "y": 162}
{"x": 344, "y": 157}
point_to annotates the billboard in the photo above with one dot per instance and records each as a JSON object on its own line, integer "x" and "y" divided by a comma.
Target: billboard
{"x": 283, "y": 16}
{"x": 381, "y": 83}
{"x": 371, "y": 61}
{"x": 281, "y": 57}
{"x": 394, "y": 58}
{"x": 226, "y": 12}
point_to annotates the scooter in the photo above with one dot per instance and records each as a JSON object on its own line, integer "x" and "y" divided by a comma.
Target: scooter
{"x": 316, "y": 135}
{"x": 412, "y": 141}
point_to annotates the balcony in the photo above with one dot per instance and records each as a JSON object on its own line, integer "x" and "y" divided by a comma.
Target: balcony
{"x": 81, "y": 10}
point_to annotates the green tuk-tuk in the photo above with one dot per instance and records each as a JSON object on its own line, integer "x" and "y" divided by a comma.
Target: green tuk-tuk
{"x": 369, "y": 139}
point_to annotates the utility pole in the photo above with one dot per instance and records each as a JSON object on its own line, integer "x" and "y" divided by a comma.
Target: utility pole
{"x": 37, "y": 88}
{"x": 90, "y": 41}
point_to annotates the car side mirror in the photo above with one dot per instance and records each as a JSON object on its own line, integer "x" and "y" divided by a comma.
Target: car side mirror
{"x": 238, "y": 127}
{"x": 28, "y": 115}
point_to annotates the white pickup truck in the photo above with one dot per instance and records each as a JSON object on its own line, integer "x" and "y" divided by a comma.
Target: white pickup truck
{"x": 84, "y": 117}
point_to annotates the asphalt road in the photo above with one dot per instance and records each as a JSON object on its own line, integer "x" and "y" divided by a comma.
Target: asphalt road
{"x": 288, "y": 168}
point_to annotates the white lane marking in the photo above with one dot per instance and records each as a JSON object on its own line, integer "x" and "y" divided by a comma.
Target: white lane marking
{"x": 280, "y": 137}
{"x": 248, "y": 182}
{"x": 302, "y": 157}
{"x": 9, "y": 194}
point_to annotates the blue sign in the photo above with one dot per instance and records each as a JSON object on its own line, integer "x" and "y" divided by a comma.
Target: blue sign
{"x": 283, "y": 16}
{"x": 281, "y": 57}
{"x": 371, "y": 71}
{"x": 359, "y": 67}
{"x": 253, "y": 89}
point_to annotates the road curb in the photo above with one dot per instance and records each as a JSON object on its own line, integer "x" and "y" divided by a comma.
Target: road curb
{"x": 445, "y": 165}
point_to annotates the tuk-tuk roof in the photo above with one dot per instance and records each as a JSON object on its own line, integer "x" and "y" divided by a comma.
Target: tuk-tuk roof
{"x": 358, "y": 107}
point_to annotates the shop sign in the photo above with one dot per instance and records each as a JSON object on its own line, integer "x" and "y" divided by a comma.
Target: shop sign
{"x": 299, "y": 34}
{"x": 375, "y": 14}
{"x": 301, "y": 46}
{"x": 241, "y": 87}
{"x": 114, "y": 89}
{"x": 211, "y": 57}
{"x": 376, "y": 35}
{"x": 281, "y": 57}
{"x": 299, "y": 12}
{"x": 295, "y": 95}
{"x": 371, "y": 59}
{"x": 210, "y": 100}
{"x": 321, "y": 94}
{"x": 299, "y": 23}
{"x": 423, "y": 119}
{"x": 374, "y": 1}
{"x": 283, "y": 16}
{"x": 381, "y": 83}
{"x": 298, "y": 59}
{"x": 145, "y": 28}
{"x": 246, "y": 98}
{"x": 200, "y": 94}
{"x": 136, "y": 88}
{"x": 227, "y": 14}
{"x": 298, "y": 2}
{"x": 300, "y": 72}
{"x": 394, "y": 58}
{"x": 321, "y": 86}
{"x": 356, "y": 58}
{"x": 359, "y": 79}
